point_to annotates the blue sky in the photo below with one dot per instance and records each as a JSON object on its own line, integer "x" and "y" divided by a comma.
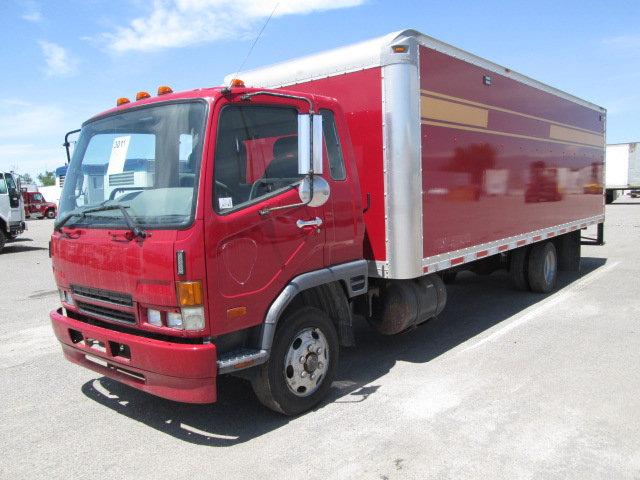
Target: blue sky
{"x": 65, "y": 61}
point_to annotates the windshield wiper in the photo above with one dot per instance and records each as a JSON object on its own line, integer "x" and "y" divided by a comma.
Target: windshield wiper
{"x": 135, "y": 229}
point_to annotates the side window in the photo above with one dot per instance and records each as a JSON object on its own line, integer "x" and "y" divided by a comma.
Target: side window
{"x": 332, "y": 142}
{"x": 256, "y": 154}
{"x": 3, "y": 185}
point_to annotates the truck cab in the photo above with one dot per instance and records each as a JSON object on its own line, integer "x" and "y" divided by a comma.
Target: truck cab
{"x": 35, "y": 205}
{"x": 12, "y": 220}
{"x": 188, "y": 224}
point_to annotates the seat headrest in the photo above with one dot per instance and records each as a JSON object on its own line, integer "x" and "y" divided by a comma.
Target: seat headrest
{"x": 286, "y": 147}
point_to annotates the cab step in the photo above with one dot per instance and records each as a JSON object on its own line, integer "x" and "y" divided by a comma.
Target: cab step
{"x": 240, "y": 359}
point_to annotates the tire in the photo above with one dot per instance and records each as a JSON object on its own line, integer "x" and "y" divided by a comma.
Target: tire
{"x": 51, "y": 213}
{"x": 543, "y": 267}
{"x": 275, "y": 381}
{"x": 3, "y": 240}
{"x": 518, "y": 267}
{"x": 448, "y": 276}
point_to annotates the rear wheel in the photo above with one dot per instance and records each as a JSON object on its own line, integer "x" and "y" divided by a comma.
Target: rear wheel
{"x": 302, "y": 364}
{"x": 51, "y": 213}
{"x": 543, "y": 267}
{"x": 3, "y": 240}
{"x": 448, "y": 276}
{"x": 518, "y": 268}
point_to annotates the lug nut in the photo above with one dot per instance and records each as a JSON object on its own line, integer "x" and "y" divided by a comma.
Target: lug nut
{"x": 302, "y": 359}
{"x": 313, "y": 376}
{"x": 303, "y": 374}
{"x": 319, "y": 351}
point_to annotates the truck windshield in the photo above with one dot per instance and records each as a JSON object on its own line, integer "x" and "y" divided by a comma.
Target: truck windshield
{"x": 146, "y": 160}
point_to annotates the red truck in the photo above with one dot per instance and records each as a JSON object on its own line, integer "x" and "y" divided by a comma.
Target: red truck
{"x": 241, "y": 229}
{"x": 35, "y": 205}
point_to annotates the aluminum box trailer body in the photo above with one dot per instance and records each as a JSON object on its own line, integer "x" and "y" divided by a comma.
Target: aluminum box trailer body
{"x": 459, "y": 158}
{"x": 622, "y": 168}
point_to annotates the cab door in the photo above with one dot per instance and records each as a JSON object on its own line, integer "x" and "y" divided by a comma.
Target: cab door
{"x": 254, "y": 247}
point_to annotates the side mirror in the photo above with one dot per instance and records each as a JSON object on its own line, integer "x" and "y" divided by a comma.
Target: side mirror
{"x": 314, "y": 191}
{"x": 309, "y": 144}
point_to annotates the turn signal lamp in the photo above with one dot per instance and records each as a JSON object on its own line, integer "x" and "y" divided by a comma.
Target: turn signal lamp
{"x": 163, "y": 90}
{"x": 189, "y": 294}
{"x": 122, "y": 101}
{"x": 142, "y": 95}
{"x": 400, "y": 49}
{"x": 236, "y": 82}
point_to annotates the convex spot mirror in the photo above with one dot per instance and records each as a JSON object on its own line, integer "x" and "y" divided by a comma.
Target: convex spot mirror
{"x": 321, "y": 191}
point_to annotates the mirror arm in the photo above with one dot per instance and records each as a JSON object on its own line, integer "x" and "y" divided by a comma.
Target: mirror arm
{"x": 67, "y": 144}
{"x": 247, "y": 96}
{"x": 267, "y": 210}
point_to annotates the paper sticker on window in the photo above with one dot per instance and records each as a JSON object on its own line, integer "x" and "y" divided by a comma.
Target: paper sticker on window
{"x": 118, "y": 154}
{"x": 225, "y": 202}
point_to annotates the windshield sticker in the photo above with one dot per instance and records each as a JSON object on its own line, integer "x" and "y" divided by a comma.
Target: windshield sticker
{"x": 118, "y": 154}
{"x": 225, "y": 202}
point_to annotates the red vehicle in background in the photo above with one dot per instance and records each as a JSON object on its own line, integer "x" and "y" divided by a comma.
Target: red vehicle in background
{"x": 241, "y": 230}
{"x": 35, "y": 205}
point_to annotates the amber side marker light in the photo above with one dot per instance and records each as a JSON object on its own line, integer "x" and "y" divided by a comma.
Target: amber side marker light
{"x": 163, "y": 90}
{"x": 400, "y": 49}
{"x": 236, "y": 312}
{"x": 122, "y": 101}
{"x": 189, "y": 293}
{"x": 142, "y": 95}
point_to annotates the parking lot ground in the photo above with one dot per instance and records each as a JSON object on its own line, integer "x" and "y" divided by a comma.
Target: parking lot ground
{"x": 503, "y": 384}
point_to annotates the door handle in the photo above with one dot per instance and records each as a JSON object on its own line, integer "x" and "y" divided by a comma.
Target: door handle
{"x": 309, "y": 223}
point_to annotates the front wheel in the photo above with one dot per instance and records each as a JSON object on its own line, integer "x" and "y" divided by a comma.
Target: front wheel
{"x": 51, "y": 213}
{"x": 302, "y": 364}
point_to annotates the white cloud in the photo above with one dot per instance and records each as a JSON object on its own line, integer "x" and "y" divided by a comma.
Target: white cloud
{"x": 59, "y": 62}
{"x": 624, "y": 43}
{"x": 31, "y": 136}
{"x": 179, "y": 23}
{"x": 20, "y": 119}
{"x": 32, "y": 13}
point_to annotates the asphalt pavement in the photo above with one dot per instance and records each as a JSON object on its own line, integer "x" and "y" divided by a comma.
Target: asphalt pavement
{"x": 502, "y": 385}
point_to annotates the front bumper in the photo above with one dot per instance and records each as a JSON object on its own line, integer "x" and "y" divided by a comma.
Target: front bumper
{"x": 16, "y": 228}
{"x": 176, "y": 371}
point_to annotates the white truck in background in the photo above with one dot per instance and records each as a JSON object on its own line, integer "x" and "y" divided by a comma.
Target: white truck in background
{"x": 12, "y": 218}
{"x": 622, "y": 170}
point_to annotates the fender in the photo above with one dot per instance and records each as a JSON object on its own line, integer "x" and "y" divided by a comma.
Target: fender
{"x": 353, "y": 275}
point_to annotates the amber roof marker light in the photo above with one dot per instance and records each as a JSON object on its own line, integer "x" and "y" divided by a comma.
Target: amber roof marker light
{"x": 142, "y": 95}
{"x": 164, "y": 90}
{"x": 122, "y": 101}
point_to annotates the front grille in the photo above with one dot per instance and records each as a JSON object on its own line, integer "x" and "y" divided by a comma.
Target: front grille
{"x": 106, "y": 313}
{"x": 103, "y": 295}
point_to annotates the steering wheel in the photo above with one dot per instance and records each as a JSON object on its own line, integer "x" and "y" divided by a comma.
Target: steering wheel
{"x": 254, "y": 186}
{"x": 226, "y": 187}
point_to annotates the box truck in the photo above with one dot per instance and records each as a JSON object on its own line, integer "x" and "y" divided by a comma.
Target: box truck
{"x": 344, "y": 185}
{"x": 12, "y": 220}
{"x": 622, "y": 169}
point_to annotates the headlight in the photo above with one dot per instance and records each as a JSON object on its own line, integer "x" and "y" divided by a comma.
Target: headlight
{"x": 193, "y": 318}
{"x": 174, "y": 319}
{"x": 154, "y": 317}
{"x": 189, "y": 318}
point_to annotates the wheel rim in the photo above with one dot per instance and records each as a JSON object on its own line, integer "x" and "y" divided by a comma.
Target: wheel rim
{"x": 306, "y": 362}
{"x": 549, "y": 267}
